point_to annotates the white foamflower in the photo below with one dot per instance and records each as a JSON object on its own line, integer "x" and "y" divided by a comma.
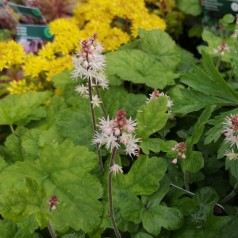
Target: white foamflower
{"x": 116, "y": 169}
{"x": 82, "y": 90}
{"x": 231, "y": 155}
{"x": 96, "y": 101}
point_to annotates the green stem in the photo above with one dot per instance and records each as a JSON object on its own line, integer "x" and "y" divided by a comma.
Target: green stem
{"x": 51, "y": 231}
{"x": 218, "y": 62}
{"x": 186, "y": 180}
{"x": 94, "y": 124}
{"x": 12, "y": 129}
{"x": 232, "y": 194}
{"x": 111, "y": 212}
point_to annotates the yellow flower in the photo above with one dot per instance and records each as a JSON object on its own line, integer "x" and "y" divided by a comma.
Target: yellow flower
{"x": 66, "y": 33}
{"x": 11, "y": 53}
{"x": 21, "y": 87}
{"x": 34, "y": 65}
{"x": 148, "y": 22}
{"x": 47, "y": 51}
{"x": 58, "y": 65}
{"x": 115, "y": 21}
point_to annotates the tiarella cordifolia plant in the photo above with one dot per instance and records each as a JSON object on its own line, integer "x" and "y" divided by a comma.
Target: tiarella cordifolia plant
{"x": 89, "y": 65}
{"x": 48, "y": 145}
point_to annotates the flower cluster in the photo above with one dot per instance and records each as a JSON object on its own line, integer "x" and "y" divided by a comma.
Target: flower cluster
{"x": 53, "y": 202}
{"x": 231, "y": 130}
{"x": 22, "y": 86}
{"x": 12, "y": 53}
{"x": 221, "y": 49}
{"x": 116, "y": 132}
{"x": 180, "y": 149}
{"x": 231, "y": 135}
{"x": 116, "y": 169}
{"x": 89, "y": 65}
{"x": 116, "y": 21}
{"x": 156, "y": 94}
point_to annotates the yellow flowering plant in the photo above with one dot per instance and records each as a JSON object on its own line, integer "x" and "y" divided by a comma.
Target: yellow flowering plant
{"x": 116, "y": 23}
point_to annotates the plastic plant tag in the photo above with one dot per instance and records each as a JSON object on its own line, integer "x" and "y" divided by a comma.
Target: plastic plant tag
{"x": 28, "y": 31}
{"x": 216, "y": 9}
{"x": 27, "y": 14}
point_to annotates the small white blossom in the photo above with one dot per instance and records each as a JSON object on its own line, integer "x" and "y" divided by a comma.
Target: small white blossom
{"x": 117, "y": 132}
{"x": 132, "y": 147}
{"x": 156, "y": 94}
{"x": 221, "y": 49}
{"x": 116, "y": 169}
{"x": 89, "y": 63}
{"x": 105, "y": 126}
{"x": 111, "y": 141}
{"x": 231, "y": 155}
{"x": 231, "y": 130}
{"x": 96, "y": 101}
{"x": 131, "y": 125}
{"x": 82, "y": 90}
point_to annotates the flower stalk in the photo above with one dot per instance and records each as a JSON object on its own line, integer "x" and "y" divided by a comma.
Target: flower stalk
{"x": 110, "y": 200}
{"x": 94, "y": 125}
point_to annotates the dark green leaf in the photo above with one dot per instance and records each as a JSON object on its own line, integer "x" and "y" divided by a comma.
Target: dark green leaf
{"x": 130, "y": 206}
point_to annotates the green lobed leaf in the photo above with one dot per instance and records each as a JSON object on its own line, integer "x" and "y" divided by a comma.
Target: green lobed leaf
{"x": 26, "y": 144}
{"x": 76, "y": 126}
{"x": 152, "y": 117}
{"x": 23, "y": 202}
{"x": 160, "y": 45}
{"x": 62, "y": 80}
{"x": 157, "y": 197}
{"x": 206, "y": 198}
{"x": 139, "y": 67}
{"x": 193, "y": 163}
{"x": 156, "y": 145}
{"x": 154, "y": 218}
{"x": 130, "y": 206}
{"x": 142, "y": 235}
{"x": 191, "y": 7}
{"x": 7, "y": 229}
{"x": 62, "y": 170}
{"x": 202, "y": 222}
{"x": 15, "y": 108}
{"x": 144, "y": 176}
{"x": 117, "y": 98}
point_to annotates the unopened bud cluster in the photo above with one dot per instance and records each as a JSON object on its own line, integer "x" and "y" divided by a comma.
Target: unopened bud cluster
{"x": 53, "y": 202}
{"x": 180, "y": 149}
{"x": 221, "y": 49}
